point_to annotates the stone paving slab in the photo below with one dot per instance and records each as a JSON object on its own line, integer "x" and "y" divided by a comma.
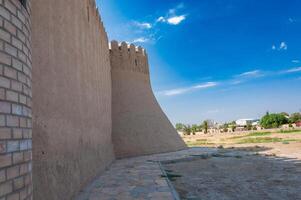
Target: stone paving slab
{"x": 138, "y": 178}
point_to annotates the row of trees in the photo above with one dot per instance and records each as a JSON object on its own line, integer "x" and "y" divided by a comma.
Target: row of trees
{"x": 187, "y": 129}
{"x": 275, "y": 120}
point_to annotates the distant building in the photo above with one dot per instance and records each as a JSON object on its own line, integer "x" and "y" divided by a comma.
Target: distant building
{"x": 298, "y": 124}
{"x": 245, "y": 122}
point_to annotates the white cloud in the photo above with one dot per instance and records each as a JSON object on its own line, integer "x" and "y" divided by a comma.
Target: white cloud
{"x": 179, "y": 91}
{"x": 273, "y": 47}
{"x": 245, "y": 76}
{"x": 143, "y": 25}
{"x": 250, "y": 74}
{"x": 140, "y": 40}
{"x": 236, "y": 80}
{"x": 176, "y": 19}
{"x": 172, "y": 17}
{"x": 161, "y": 19}
{"x": 174, "y": 92}
{"x": 291, "y": 20}
{"x": 205, "y": 85}
{"x": 293, "y": 70}
{"x": 295, "y": 61}
{"x": 283, "y": 46}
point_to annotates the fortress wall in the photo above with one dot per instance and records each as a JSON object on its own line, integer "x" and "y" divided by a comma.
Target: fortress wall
{"x": 15, "y": 101}
{"x": 71, "y": 97}
{"x": 139, "y": 125}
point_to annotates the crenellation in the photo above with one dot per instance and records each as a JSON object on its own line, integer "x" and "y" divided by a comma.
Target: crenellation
{"x": 128, "y": 57}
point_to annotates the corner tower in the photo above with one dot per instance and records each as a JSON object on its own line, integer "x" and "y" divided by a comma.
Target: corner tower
{"x": 140, "y": 127}
{"x": 15, "y": 100}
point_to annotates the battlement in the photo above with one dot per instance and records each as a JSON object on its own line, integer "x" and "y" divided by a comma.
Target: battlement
{"x": 93, "y": 15}
{"x": 128, "y": 57}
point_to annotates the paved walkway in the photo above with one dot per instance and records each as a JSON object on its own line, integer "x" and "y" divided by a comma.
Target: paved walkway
{"x": 138, "y": 178}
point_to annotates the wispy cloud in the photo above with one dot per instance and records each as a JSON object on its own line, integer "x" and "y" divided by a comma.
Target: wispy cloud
{"x": 274, "y": 47}
{"x": 205, "y": 85}
{"x": 172, "y": 17}
{"x": 235, "y": 80}
{"x": 173, "y": 11}
{"x": 143, "y": 25}
{"x": 141, "y": 40}
{"x": 293, "y": 70}
{"x": 292, "y": 20}
{"x": 250, "y": 74}
{"x": 282, "y": 46}
{"x": 246, "y": 76}
{"x": 149, "y": 30}
{"x": 179, "y": 91}
{"x": 295, "y": 61}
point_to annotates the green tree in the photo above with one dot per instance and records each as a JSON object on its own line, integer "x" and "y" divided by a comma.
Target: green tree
{"x": 187, "y": 130}
{"x": 233, "y": 126}
{"x": 249, "y": 126}
{"x": 194, "y": 129}
{"x": 295, "y": 117}
{"x": 179, "y": 127}
{"x": 225, "y": 127}
{"x": 205, "y": 126}
{"x": 273, "y": 120}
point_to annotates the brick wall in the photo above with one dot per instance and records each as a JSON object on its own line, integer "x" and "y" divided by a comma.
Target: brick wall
{"x": 15, "y": 101}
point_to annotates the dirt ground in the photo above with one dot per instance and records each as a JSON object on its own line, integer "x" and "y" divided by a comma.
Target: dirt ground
{"x": 259, "y": 171}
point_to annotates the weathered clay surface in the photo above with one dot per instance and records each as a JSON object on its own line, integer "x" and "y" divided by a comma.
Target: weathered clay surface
{"x": 138, "y": 178}
{"x": 139, "y": 125}
{"x": 239, "y": 175}
{"x": 72, "y": 97}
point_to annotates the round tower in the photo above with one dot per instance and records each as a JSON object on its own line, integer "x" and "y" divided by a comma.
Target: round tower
{"x": 15, "y": 100}
{"x": 139, "y": 126}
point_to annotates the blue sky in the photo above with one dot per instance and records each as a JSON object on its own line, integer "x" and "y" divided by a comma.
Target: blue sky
{"x": 215, "y": 59}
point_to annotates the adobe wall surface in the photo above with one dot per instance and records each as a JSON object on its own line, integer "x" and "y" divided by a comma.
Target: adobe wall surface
{"x": 15, "y": 101}
{"x": 71, "y": 97}
{"x": 139, "y": 125}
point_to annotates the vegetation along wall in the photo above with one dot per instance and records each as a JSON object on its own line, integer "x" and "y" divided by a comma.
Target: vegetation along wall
{"x": 71, "y": 97}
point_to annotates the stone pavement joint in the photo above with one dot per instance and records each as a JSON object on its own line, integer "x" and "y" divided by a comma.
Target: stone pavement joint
{"x": 138, "y": 178}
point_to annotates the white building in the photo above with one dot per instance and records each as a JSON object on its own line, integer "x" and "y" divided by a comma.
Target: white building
{"x": 245, "y": 122}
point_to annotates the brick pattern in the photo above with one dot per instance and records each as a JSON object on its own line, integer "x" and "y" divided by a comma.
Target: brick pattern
{"x": 15, "y": 101}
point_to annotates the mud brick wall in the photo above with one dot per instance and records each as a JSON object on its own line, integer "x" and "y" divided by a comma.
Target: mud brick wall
{"x": 140, "y": 127}
{"x": 15, "y": 101}
{"x": 72, "y": 123}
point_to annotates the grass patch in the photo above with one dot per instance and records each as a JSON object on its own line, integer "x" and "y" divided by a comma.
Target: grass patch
{"x": 199, "y": 142}
{"x": 289, "y": 131}
{"x": 265, "y": 140}
{"x": 258, "y": 134}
